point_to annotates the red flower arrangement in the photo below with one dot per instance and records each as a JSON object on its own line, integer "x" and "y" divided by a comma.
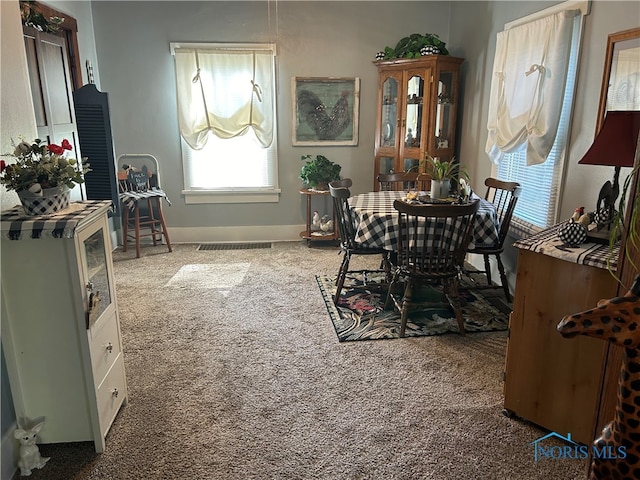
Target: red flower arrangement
{"x": 41, "y": 165}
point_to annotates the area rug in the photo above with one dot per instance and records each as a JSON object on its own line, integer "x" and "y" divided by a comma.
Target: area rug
{"x": 360, "y": 313}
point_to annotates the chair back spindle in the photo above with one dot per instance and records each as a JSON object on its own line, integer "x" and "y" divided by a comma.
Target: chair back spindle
{"x": 404, "y": 181}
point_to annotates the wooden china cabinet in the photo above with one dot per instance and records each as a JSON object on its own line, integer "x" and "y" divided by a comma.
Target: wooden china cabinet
{"x": 417, "y": 106}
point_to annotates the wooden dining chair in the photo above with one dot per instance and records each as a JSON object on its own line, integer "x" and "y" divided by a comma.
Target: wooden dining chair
{"x": 348, "y": 244}
{"x": 432, "y": 241}
{"x": 404, "y": 181}
{"x": 504, "y": 196}
{"x": 141, "y": 198}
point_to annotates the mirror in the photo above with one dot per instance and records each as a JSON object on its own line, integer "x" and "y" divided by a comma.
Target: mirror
{"x": 621, "y": 77}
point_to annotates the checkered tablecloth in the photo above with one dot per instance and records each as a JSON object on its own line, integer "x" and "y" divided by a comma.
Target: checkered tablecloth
{"x": 377, "y": 220}
{"x": 132, "y": 197}
{"x": 17, "y": 225}
{"x": 593, "y": 254}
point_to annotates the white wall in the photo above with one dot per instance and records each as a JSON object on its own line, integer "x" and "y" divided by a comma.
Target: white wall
{"x": 16, "y": 118}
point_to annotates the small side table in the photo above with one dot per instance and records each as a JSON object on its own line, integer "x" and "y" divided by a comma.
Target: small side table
{"x": 317, "y": 235}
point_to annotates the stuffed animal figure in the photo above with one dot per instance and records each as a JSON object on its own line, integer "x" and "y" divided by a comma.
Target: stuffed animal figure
{"x": 29, "y": 452}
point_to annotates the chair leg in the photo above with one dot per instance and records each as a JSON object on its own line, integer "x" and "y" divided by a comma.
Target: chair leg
{"x": 125, "y": 228}
{"x": 503, "y": 279}
{"x": 487, "y": 268}
{"x": 137, "y": 221}
{"x": 163, "y": 224}
{"x": 404, "y": 312}
{"x": 342, "y": 275}
{"x": 453, "y": 297}
{"x": 152, "y": 222}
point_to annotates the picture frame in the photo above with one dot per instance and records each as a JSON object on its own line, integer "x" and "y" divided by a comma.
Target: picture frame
{"x": 325, "y": 110}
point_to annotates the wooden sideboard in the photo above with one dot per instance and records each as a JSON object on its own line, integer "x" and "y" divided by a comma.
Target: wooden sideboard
{"x": 553, "y": 381}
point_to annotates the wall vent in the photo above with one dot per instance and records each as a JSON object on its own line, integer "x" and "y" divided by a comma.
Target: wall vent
{"x": 233, "y": 246}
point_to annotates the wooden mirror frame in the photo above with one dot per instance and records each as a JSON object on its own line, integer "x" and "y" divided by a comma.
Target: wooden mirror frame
{"x": 608, "y": 62}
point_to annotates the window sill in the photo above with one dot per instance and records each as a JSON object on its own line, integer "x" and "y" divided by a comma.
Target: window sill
{"x": 231, "y": 196}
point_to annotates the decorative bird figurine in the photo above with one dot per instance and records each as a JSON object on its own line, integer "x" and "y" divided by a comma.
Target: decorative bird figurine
{"x": 326, "y": 224}
{"x": 577, "y": 213}
{"x": 315, "y": 219}
{"x": 585, "y": 219}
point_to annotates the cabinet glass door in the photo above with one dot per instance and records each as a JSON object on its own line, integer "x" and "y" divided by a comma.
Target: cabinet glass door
{"x": 413, "y": 114}
{"x": 389, "y": 111}
{"x": 98, "y": 293}
{"x": 444, "y": 111}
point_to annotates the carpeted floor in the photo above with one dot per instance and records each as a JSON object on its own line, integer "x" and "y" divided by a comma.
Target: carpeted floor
{"x": 360, "y": 312}
{"x": 240, "y": 376}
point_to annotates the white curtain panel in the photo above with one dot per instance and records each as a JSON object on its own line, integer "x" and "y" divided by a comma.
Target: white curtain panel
{"x": 527, "y": 89}
{"x": 225, "y": 93}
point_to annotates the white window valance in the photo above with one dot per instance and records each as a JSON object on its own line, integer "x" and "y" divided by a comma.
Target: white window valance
{"x": 528, "y": 86}
{"x": 224, "y": 92}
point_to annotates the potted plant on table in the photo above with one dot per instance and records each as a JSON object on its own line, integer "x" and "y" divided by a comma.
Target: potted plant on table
{"x": 42, "y": 175}
{"x": 442, "y": 172}
{"x": 317, "y": 172}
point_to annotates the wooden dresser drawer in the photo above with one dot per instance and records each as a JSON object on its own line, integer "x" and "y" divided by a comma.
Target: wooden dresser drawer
{"x": 111, "y": 393}
{"x": 105, "y": 348}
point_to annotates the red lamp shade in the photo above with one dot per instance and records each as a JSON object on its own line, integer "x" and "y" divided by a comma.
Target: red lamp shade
{"x": 616, "y": 142}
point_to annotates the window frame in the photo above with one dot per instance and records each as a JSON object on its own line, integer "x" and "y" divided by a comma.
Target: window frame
{"x": 233, "y": 194}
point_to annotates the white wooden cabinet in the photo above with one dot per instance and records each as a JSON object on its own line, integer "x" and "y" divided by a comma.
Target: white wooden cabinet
{"x": 64, "y": 359}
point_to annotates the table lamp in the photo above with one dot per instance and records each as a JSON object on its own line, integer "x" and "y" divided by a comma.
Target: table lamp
{"x": 614, "y": 145}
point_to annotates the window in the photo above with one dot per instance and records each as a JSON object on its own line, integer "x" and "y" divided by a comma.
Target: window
{"x": 226, "y": 115}
{"x": 529, "y": 143}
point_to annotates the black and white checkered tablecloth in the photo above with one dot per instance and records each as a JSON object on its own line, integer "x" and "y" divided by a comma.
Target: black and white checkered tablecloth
{"x": 131, "y": 198}
{"x": 377, "y": 220}
{"x": 17, "y": 225}
{"x": 593, "y": 254}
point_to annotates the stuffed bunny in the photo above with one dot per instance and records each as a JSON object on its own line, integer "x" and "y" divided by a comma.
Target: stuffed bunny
{"x": 29, "y": 452}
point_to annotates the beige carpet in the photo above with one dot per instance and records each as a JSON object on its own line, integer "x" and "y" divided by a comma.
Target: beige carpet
{"x": 241, "y": 376}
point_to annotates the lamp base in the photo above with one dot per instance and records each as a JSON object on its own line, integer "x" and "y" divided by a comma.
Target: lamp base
{"x": 602, "y": 236}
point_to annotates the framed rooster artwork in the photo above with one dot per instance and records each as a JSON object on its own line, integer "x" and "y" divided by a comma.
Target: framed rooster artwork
{"x": 325, "y": 110}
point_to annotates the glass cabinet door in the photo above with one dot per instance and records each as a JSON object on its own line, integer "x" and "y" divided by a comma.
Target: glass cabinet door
{"x": 98, "y": 291}
{"x": 389, "y": 109}
{"x": 444, "y": 111}
{"x": 413, "y": 114}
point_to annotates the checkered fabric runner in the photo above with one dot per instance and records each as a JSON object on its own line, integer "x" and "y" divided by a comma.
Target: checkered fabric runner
{"x": 376, "y": 220}
{"x": 17, "y": 225}
{"x": 593, "y": 254}
{"x": 131, "y": 198}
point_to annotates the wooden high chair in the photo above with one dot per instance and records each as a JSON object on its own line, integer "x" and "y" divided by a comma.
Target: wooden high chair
{"x": 140, "y": 195}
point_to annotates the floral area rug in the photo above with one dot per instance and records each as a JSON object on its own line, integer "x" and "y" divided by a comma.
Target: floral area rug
{"x": 360, "y": 313}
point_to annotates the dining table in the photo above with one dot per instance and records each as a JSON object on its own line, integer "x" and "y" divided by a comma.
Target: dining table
{"x": 377, "y": 220}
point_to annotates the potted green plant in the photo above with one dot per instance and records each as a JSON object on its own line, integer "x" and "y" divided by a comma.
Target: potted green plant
{"x": 442, "y": 172}
{"x": 317, "y": 172}
{"x": 414, "y": 46}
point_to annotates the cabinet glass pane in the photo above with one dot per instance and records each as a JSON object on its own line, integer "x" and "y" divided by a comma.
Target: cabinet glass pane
{"x": 385, "y": 165}
{"x": 415, "y": 90}
{"x": 411, "y": 164}
{"x": 444, "y": 110}
{"x": 389, "y": 113}
{"x": 97, "y": 275}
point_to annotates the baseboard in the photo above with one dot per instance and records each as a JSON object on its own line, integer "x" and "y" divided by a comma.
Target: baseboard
{"x": 8, "y": 462}
{"x": 266, "y": 233}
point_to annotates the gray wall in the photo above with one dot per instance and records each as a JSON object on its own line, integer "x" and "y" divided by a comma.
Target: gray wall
{"x": 324, "y": 39}
{"x": 314, "y": 39}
